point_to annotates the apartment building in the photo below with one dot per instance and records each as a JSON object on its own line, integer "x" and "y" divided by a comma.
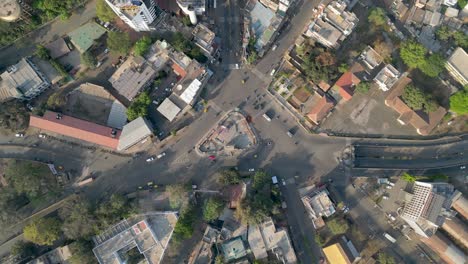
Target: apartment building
{"x": 138, "y": 14}
{"x": 457, "y": 65}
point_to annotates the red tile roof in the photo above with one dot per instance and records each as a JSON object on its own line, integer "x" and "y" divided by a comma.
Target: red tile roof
{"x": 346, "y": 84}
{"x": 321, "y": 109}
{"x": 179, "y": 70}
{"x": 76, "y": 128}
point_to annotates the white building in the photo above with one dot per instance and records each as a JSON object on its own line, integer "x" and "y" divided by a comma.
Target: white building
{"x": 192, "y": 8}
{"x": 138, "y": 14}
{"x": 387, "y": 77}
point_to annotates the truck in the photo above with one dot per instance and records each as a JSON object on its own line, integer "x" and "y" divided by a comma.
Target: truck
{"x": 389, "y": 237}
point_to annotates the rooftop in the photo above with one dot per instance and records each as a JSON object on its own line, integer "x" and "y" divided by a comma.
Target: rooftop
{"x": 346, "y": 85}
{"x": 371, "y": 58}
{"x": 459, "y": 60}
{"x": 134, "y": 132}
{"x": 447, "y": 251}
{"x": 335, "y": 254}
{"x": 233, "y": 249}
{"x": 387, "y": 77}
{"x": 10, "y": 10}
{"x": 318, "y": 204}
{"x": 76, "y": 128}
{"x": 83, "y": 37}
{"x": 132, "y": 76}
{"x": 57, "y": 48}
{"x": 203, "y": 34}
{"x": 321, "y": 109}
{"x": 343, "y": 20}
{"x": 168, "y": 109}
{"x": 326, "y": 31}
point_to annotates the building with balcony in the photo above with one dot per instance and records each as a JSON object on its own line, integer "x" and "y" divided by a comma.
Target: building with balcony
{"x": 138, "y": 14}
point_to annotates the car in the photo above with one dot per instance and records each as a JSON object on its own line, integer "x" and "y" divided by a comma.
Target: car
{"x": 272, "y": 72}
{"x": 150, "y": 159}
{"x": 283, "y": 181}
{"x": 212, "y": 157}
{"x": 155, "y": 102}
{"x": 19, "y": 135}
{"x": 99, "y": 63}
{"x": 251, "y": 170}
{"x": 462, "y": 167}
{"x": 42, "y": 136}
{"x": 274, "y": 179}
{"x": 237, "y": 66}
{"x": 106, "y": 51}
{"x": 267, "y": 117}
{"x": 30, "y": 107}
{"x": 289, "y": 134}
{"x": 274, "y": 47}
{"x": 161, "y": 155}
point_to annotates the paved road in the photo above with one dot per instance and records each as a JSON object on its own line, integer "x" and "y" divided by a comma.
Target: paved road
{"x": 25, "y": 47}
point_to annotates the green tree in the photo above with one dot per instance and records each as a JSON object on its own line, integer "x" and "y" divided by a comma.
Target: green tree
{"x": 219, "y": 259}
{"x": 77, "y": 218}
{"x": 43, "y": 231}
{"x": 186, "y": 21}
{"x": 430, "y": 105}
{"x": 260, "y": 179}
{"x": 459, "y": 102}
{"x": 412, "y": 54}
{"x": 377, "y": 16}
{"x": 408, "y": 177}
{"x": 228, "y": 177}
{"x": 118, "y": 42}
{"x": 29, "y": 178}
{"x": 56, "y": 101}
{"x": 113, "y": 210}
{"x": 54, "y": 8}
{"x": 444, "y": 33}
{"x": 180, "y": 43}
{"x": 253, "y": 56}
{"x": 252, "y": 212}
{"x": 178, "y": 194}
{"x": 184, "y": 226}
{"x": 82, "y": 253}
{"x": 384, "y": 258}
{"x": 88, "y": 59}
{"x": 173, "y": 132}
{"x": 142, "y": 46}
{"x": 337, "y": 226}
{"x": 213, "y": 209}
{"x": 24, "y": 249}
{"x": 104, "y": 12}
{"x": 461, "y": 39}
{"x": 139, "y": 106}
{"x": 319, "y": 240}
{"x": 42, "y": 52}
{"x": 414, "y": 97}
{"x": 13, "y": 116}
{"x": 462, "y": 3}
{"x": 196, "y": 53}
{"x": 343, "y": 68}
{"x": 433, "y": 65}
{"x": 363, "y": 87}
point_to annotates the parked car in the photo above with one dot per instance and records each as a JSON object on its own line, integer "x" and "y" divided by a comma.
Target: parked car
{"x": 106, "y": 51}
{"x": 19, "y": 135}
{"x": 42, "y": 135}
{"x": 251, "y": 170}
{"x": 274, "y": 47}
{"x": 161, "y": 155}
{"x": 272, "y": 72}
{"x": 150, "y": 159}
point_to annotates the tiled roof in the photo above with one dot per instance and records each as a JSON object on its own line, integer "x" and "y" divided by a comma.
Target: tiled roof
{"x": 76, "y": 128}
{"x": 321, "y": 109}
{"x": 346, "y": 84}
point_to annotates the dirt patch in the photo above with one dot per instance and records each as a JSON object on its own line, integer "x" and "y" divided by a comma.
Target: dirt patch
{"x": 302, "y": 94}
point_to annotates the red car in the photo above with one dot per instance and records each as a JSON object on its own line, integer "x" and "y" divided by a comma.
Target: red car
{"x": 212, "y": 157}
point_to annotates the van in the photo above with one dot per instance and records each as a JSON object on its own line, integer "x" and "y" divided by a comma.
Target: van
{"x": 274, "y": 179}
{"x": 267, "y": 117}
{"x": 389, "y": 237}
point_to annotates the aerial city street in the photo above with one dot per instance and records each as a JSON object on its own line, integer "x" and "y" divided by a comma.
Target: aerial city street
{"x": 233, "y": 131}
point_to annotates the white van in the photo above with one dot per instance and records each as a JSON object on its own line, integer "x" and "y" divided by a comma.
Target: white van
{"x": 267, "y": 117}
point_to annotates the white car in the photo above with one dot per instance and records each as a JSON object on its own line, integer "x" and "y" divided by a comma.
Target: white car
{"x": 274, "y": 47}
{"x": 251, "y": 170}
{"x": 19, "y": 135}
{"x": 462, "y": 167}
{"x": 272, "y": 72}
{"x": 284, "y": 182}
{"x": 150, "y": 159}
{"x": 161, "y": 155}
{"x": 106, "y": 51}
{"x": 42, "y": 136}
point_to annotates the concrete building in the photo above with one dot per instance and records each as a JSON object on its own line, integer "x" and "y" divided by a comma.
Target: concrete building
{"x": 428, "y": 206}
{"x": 149, "y": 234}
{"x": 233, "y": 249}
{"x": 343, "y": 20}
{"x": 457, "y": 230}
{"x": 23, "y": 81}
{"x": 192, "y": 8}
{"x": 324, "y": 33}
{"x": 457, "y": 65}
{"x": 321, "y": 109}
{"x": 204, "y": 38}
{"x": 265, "y": 237}
{"x": 370, "y": 58}
{"x": 342, "y": 252}
{"x": 460, "y": 205}
{"x": 446, "y": 250}
{"x": 263, "y": 23}
{"x": 138, "y": 14}
{"x": 135, "y": 131}
{"x": 387, "y": 77}
{"x": 59, "y": 255}
{"x": 318, "y": 205}
{"x": 132, "y": 76}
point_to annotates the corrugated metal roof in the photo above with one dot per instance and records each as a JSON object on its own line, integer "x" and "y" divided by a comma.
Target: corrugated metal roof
{"x": 134, "y": 132}
{"x": 118, "y": 115}
{"x": 76, "y": 128}
{"x": 189, "y": 94}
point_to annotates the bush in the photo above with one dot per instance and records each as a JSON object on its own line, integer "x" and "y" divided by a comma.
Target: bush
{"x": 139, "y": 106}
{"x": 43, "y": 231}
{"x": 142, "y": 46}
{"x": 228, "y": 177}
{"x": 459, "y": 103}
{"x": 408, "y": 177}
{"x": 337, "y": 226}
{"x": 212, "y": 209}
{"x": 377, "y": 17}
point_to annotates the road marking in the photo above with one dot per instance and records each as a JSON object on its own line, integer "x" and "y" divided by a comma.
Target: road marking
{"x": 260, "y": 75}
{"x": 214, "y": 4}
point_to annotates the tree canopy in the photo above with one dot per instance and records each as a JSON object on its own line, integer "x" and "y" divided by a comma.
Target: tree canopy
{"x": 213, "y": 208}
{"x": 118, "y": 42}
{"x": 13, "y": 116}
{"x": 24, "y": 249}
{"x": 413, "y": 54}
{"x": 82, "y": 252}
{"x": 384, "y": 258}
{"x": 115, "y": 209}
{"x": 459, "y": 102}
{"x": 104, "y": 12}
{"x": 260, "y": 179}
{"x": 363, "y": 87}
{"x": 42, "y": 52}
{"x": 377, "y": 16}
{"x": 337, "y": 226}
{"x": 228, "y": 177}
{"x": 433, "y": 65}
{"x": 54, "y": 8}
{"x": 178, "y": 194}
{"x": 43, "y": 231}
{"x": 142, "y": 45}
{"x": 180, "y": 43}
{"x": 88, "y": 59}
{"x": 139, "y": 106}
{"x": 29, "y": 178}
{"x": 417, "y": 99}
{"x": 184, "y": 226}
{"x": 408, "y": 177}
{"x": 78, "y": 219}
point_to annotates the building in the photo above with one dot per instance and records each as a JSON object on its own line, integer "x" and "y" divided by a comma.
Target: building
{"x": 457, "y": 65}
{"x": 324, "y": 33}
{"x": 192, "y": 8}
{"x": 370, "y": 58}
{"x": 204, "y": 38}
{"x": 23, "y": 81}
{"x": 342, "y": 252}
{"x": 58, "y": 48}
{"x": 233, "y": 249}
{"x": 428, "y": 206}
{"x": 460, "y": 205}
{"x": 134, "y": 132}
{"x": 149, "y": 234}
{"x": 321, "y": 109}
{"x": 265, "y": 237}
{"x": 132, "y": 76}
{"x": 58, "y": 255}
{"x": 387, "y": 77}
{"x": 264, "y": 23}
{"x": 423, "y": 122}
{"x": 345, "y": 86}
{"x": 203, "y": 251}
{"x": 457, "y": 230}
{"x": 138, "y": 14}
{"x": 84, "y": 37}
{"x": 447, "y": 251}
{"x": 76, "y": 128}
{"x": 343, "y": 20}
{"x": 318, "y": 205}
{"x": 168, "y": 109}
